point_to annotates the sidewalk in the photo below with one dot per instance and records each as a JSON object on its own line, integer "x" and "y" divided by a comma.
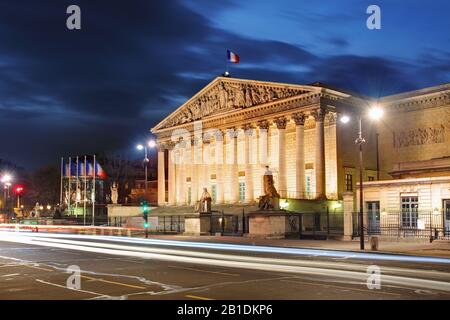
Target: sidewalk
{"x": 435, "y": 249}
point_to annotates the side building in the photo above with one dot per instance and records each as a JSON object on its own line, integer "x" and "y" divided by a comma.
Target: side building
{"x": 413, "y": 195}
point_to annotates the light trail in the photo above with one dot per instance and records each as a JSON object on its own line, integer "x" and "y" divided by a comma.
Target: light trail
{"x": 218, "y": 260}
{"x": 248, "y": 248}
{"x": 209, "y": 255}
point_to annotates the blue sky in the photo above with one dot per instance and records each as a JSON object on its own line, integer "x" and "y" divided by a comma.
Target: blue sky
{"x": 102, "y": 88}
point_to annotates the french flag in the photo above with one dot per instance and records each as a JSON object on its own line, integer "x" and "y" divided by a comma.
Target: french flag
{"x": 232, "y": 57}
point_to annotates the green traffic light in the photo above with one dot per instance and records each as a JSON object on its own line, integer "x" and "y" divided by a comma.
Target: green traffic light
{"x": 146, "y": 225}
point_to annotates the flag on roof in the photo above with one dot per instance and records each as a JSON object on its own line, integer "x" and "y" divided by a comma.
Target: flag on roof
{"x": 232, "y": 57}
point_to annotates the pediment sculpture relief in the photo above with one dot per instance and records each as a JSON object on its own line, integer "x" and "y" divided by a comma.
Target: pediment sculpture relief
{"x": 227, "y": 96}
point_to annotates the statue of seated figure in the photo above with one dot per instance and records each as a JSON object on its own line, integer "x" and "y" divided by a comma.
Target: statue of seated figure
{"x": 271, "y": 198}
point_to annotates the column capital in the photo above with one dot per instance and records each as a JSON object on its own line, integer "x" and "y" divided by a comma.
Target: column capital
{"x": 161, "y": 146}
{"x": 299, "y": 118}
{"x": 263, "y": 124}
{"x": 231, "y": 132}
{"x": 281, "y": 122}
{"x": 218, "y": 135}
{"x": 332, "y": 117}
{"x": 319, "y": 114}
{"x": 248, "y": 129}
{"x": 170, "y": 145}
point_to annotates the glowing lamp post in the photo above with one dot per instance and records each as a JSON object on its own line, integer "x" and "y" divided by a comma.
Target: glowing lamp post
{"x": 375, "y": 113}
{"x": 151, "y": 144}
{"x": 6, "y": 180}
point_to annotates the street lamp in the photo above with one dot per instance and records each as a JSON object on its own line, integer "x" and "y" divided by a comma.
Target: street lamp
{"x": 140, "y": 147}
{"x": 375, "y": 113}
{"x": 6, "y": 180}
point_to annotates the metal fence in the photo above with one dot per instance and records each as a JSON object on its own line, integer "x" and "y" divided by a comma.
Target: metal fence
{"x": 320, "y": 225}
{"x": 315, "y": 225}
{"x": 229, "y": 224}
{"x": 429, "y": 225}
{"x": 167, "y": 224}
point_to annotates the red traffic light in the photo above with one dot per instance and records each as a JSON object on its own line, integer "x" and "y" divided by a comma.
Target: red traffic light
{"x": 18, "y": 190}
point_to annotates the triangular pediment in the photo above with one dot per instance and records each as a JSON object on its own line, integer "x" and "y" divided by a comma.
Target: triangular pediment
{"x": 223, "y": 95}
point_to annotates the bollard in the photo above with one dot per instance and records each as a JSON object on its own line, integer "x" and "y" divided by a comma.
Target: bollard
{"x": 129, "y": 233}
{"x": 374, "y": 243}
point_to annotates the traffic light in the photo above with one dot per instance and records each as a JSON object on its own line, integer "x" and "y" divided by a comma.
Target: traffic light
{"x": 18, "y": 190}
{"x": 145, "y": 212}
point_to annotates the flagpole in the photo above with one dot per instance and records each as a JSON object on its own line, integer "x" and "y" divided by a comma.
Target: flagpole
{"x": 85, "y": 191}
{"x": 93, "y": 199}
{"x": 78, "y": 187}
{"x": 70, "y": 181}
{"x": 226, "y": 66}
{"x": 61, "y": 184}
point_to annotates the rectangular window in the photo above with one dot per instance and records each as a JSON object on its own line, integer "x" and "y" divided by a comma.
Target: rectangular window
{"x": 348, "y": 182}
{"x": 308, "y": 185}
{"x": 373, "y": 215}
{"x": 214, "y": 193}
{"x": 241, "y": 191}
{"x": 410, "y": 211}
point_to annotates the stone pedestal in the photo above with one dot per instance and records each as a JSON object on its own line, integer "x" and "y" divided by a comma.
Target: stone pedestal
{"x": 197, "y": 224}
{"x": 267, "y": 224}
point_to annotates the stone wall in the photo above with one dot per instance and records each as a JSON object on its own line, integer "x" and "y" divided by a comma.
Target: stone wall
{"x": 421, "y": 134}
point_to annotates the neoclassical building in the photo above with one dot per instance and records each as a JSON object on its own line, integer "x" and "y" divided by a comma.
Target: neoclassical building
{"x": 224, "y": 136}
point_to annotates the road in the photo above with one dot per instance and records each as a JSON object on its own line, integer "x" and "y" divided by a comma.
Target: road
{"x": 34, "y": 266}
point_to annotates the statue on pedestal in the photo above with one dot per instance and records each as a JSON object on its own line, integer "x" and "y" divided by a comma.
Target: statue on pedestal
{"x": 205, "y": 202}
{"x": 271, "y": 198}
{"x": 114, "y": 193}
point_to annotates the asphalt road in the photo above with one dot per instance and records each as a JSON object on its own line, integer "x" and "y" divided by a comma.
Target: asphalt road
{"x": 34, "y": 266}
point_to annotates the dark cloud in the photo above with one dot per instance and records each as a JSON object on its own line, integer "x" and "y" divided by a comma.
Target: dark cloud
{"x": 66, "y": 92}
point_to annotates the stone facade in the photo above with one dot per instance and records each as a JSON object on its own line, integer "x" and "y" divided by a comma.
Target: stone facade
{"x": 224, "y": 136}
{"x": 416, "y": 128}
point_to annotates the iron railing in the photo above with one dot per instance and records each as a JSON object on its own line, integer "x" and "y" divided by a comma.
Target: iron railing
{"x": 419, "y": 224}
{"x": 314, "y": 225}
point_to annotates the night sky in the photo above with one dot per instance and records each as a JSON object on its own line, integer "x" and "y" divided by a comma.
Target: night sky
{"x": 103, "y": 87}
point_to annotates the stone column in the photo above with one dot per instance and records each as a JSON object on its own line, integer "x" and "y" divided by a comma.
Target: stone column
{"x": 200, "y": 172}
{"x": 263, "y": 154}
{"x": 206, "y": 165}
{"x": 161, "y": 176}
{"x": 194, "y": 174}
{"x": 234, "y": 169}
{"x": 319, "y": 165}
{"x": 263, "y": 142}
{"x": 219, "y": 160}
{"x": 248, "y": 133}
{"x": 181, "y": 177}
{"x": 171, "y": 189}
{"x": 299, "y": 119}
{"x": 281, "y": 123}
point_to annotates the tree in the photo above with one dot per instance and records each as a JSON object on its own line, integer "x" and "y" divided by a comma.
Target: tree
{"x": 44, "y": 186}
